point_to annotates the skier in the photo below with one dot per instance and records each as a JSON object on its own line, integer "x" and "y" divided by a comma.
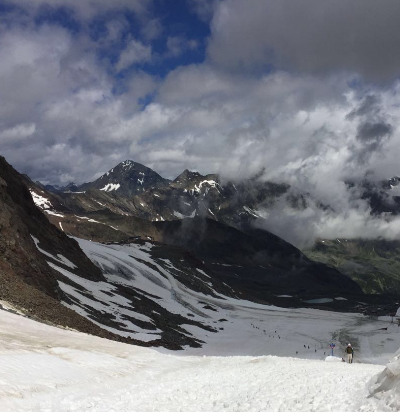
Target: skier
{"x": 349, "y": 352}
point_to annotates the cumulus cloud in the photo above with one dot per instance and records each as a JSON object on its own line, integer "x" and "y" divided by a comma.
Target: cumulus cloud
{"x": 176, "y": 45}
{"x": 152, "y": 29}
{"x": 303, "y": 227}
{"x": 134, "y": 52}
{"x": 309, "y": 36}
{"x": 313, "y": 123}
{"x": 18, "y": 132}
{"x": 86, "y": 8}
{"x": 56, "y": 97}
{"x": 204, "y": 8}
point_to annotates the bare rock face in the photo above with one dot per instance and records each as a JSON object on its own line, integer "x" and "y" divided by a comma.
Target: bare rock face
{"x": 27, "y": 282}
{"x": 17, "y": 249}
{"x": 20, "y": 222}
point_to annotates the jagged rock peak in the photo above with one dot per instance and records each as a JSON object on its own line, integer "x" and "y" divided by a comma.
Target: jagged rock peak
{"x": 126, "y": 167}
{"x": 127, "y": 178}
{"x": 187, "y": 175}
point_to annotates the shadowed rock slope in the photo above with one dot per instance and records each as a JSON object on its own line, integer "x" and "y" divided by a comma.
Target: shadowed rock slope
{"x": 254, "y": 262}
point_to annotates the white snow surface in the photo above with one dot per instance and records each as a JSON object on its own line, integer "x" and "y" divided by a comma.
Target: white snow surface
{"x": 241, "y": 327}
{"x": 209, "y": 184}
{"x": 386, "y": 385}
{"x": 59, "y": 258}
{"x": 51, "y": 212}
{"x": 44, "y": 368}
{"x": 111, "y": 186}
{"x": 269, "y": 358}
{"x": 178, "y": 215}
{"x": 181, "y": 216}
{"x": 40, "y": 201}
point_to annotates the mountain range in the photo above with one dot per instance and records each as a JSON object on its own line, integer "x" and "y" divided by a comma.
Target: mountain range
{"x": 129, "y": 196}
{"x": 102, "y": 257}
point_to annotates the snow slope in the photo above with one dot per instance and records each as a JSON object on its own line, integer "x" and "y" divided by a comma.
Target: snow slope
{"x": 48, "y": 369}
{"x": 231, "y": 326}
{"x": 386, "y": 385}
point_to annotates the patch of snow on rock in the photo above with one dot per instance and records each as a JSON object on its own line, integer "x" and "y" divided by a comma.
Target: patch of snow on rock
{"x": 41, "y": 201}
{"x": 111, "y": 186}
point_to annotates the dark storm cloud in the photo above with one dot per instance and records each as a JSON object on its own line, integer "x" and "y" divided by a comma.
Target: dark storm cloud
{"x": 374, "y": 131}
{"x": 369, "y": 106}
{"x": 373, "y": 127}
{"x": 311, "y": 36}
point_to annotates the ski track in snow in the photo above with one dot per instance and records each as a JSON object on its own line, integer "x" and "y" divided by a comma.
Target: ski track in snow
{"x": 48, "y": 369}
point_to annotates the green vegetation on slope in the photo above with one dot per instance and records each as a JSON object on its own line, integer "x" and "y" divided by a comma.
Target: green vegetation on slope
{"x": 373, "y": 264}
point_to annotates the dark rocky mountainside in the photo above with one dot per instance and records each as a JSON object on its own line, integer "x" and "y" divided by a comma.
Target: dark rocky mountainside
{"x": 261, "y": 263}
{"x": 149, "y": 274}
{"x": 36, "y": 258}
{"x": 131, "y": 189}
{"x": 26, "y": 280}
{"x": 255, "y": 262}
{"x": 127, "y": 179}
{"x": 45, "y": 274}
{"x": 122, "y": 213}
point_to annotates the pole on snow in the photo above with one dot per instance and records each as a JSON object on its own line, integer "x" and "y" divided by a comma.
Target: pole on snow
{"x": 332, "y": 345}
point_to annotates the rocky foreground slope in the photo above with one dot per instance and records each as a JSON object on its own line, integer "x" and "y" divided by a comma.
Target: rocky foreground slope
{"x": 27, "y": 281}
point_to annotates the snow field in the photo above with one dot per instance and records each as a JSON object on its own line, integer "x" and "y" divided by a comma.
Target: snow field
{"x": 48, "y": 369}
{"x": 242, "y": 327}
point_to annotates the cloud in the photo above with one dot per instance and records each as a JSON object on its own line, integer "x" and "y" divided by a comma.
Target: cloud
{"x": 303, "y": 227}
{"x": 87, "y": 9}
{"x": 70, "y": 113}
{"x": 204, "y": 8}
{"x": 374, "y": 131}
{"x": 134, "y": 52}
{"x": 308, "y": 36}
{"x": 177, "y": 45}
{"x": 254, "y": 123}
{"x": 18, "y": 132}
{"x": 152, "y": 29}
{"x": 58, "y": 106}
{"x": 369, "y": 106}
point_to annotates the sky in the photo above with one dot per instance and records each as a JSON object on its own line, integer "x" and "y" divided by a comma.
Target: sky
{"x": 305, "y": 90}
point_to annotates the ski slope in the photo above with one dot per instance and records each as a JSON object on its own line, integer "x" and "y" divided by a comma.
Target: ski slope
{"x": 44, "y": 368}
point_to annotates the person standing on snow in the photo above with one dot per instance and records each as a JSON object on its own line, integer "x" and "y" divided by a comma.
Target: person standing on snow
{"x": 349, "y": 352}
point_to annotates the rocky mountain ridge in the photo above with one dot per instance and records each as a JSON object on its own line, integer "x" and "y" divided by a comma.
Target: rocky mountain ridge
{"x": 151, "y": 282}
{"x": 131, "y": 189}
{"x": 237, "y": 204}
